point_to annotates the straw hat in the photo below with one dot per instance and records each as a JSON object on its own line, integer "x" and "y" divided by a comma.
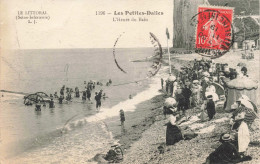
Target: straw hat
{"x": 172, "y": 120}
{"x": 226, "y": 137}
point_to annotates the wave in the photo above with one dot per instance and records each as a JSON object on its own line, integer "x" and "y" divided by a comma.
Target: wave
{"x": 79, "y": 120}
{"x": 130, "y": 104}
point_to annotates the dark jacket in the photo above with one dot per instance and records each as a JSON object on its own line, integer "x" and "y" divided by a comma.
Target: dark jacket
{"x": 226, "y": 153}
{"x": 211, "y": 109}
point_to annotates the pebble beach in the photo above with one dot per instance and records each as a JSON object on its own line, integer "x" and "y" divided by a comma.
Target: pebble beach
{"x": 142, "y": 140}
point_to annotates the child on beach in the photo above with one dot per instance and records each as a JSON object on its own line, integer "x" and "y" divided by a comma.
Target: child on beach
{"x": 162, "y": 82}
{"x": 122, "y": 119}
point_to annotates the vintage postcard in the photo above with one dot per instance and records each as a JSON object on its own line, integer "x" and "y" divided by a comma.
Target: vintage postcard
{"x": 133, "y": 81}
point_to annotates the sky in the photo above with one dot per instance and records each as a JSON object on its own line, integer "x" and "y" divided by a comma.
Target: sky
{"x": 74, "y": 24}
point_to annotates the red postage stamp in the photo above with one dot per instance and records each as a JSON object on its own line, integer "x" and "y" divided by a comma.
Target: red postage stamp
{"x": 214, "y": 28}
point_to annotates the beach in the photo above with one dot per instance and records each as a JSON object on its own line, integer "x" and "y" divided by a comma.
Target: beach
{"x": 145, "y": 131}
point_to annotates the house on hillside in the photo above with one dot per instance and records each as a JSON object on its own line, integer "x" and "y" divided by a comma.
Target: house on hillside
{"x": 248, "y": 44}
{"x": 246, "y": 32}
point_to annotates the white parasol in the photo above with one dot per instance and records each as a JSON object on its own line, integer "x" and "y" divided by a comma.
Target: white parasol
{"x": 242, "y": 83}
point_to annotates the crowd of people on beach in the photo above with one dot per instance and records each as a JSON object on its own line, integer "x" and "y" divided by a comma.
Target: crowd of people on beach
{"x": 194, "y": 87}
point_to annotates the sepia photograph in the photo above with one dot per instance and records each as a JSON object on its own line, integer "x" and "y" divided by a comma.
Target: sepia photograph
{"x": 130, "y": 82}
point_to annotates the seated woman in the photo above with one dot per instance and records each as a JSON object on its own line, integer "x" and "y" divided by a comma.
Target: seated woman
{"x": 173, "y": 132}
{"x": 226, "y": 153}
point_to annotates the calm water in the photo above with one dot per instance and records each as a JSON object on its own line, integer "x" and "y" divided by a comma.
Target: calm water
{"x": 28, "y": 135}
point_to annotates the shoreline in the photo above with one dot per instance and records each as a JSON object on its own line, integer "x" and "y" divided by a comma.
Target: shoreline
{"x": 139, "y": 119}
{"x": 134, "y": 132}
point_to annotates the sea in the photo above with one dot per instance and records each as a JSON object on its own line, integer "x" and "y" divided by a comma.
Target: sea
{"x": 72, "y": 132}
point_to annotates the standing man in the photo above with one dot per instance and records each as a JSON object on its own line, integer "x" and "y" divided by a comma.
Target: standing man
{"x": 186, "y": 92}
{"x": 98, "y": 100}
{"x": 51, "y": 103}
{"x": 171, "y": 87}
{"x": 61, "y": 99}
{"x": 77, "y": 92}
{"x": 210, "y": 107}
{"x": 88, "y": 94}
{"x": 180, "y": 100}
{"x": 167, "y": 86}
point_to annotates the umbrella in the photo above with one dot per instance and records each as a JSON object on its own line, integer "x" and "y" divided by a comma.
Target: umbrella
{"x": 170, "y": 102}
{"x": 250, "y": 114}
{"x": 219, "y": 88}
{"x": 244, "y": 97}
{"x": 241, "y": 64}
{"x": 172, "y": 78}
{"x": 242, "y": 83}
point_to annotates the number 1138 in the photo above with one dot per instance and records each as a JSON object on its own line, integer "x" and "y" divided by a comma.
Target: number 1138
{"x": 100, "y": 13}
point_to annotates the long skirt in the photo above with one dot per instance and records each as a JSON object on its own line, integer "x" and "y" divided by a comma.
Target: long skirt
{"x": 173, "y": 134}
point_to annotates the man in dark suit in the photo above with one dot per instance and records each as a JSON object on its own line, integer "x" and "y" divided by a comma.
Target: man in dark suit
{"x": 210, "y": 107}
